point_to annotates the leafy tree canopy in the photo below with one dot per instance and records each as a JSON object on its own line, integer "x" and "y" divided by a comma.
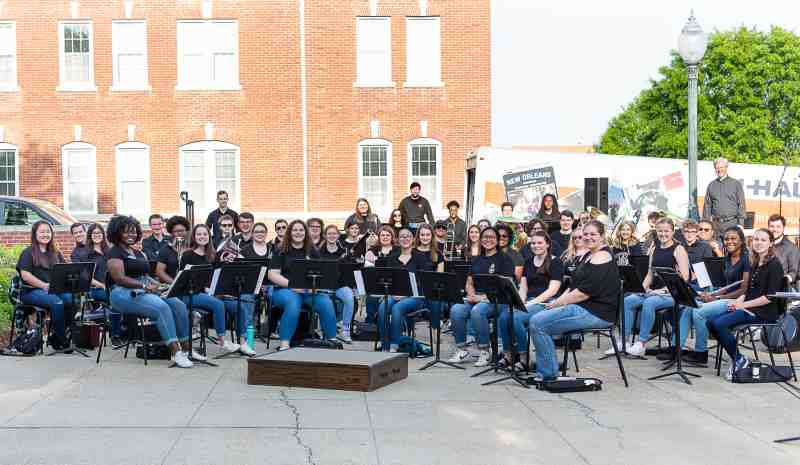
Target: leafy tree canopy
{"x": 748, "y": 105}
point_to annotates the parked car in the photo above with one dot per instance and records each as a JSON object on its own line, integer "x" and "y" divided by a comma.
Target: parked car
{"x": 23, "y": 211}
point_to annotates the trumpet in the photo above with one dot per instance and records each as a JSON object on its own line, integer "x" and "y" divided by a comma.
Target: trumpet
{"x": 229, "y": 250}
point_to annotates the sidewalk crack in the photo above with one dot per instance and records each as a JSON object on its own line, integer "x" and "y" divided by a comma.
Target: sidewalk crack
{"x": 296, "y": 429}
{"x": 588, "y": 413}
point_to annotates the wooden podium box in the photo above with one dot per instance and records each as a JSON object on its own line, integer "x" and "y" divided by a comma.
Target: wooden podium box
{"x": 347, "y": 370}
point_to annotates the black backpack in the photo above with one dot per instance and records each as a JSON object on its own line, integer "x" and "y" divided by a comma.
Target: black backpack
{"x": 29, "y": 342}
{"x": 789, "y": 322}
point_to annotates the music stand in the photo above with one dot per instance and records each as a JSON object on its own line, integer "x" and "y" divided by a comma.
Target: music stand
{"x": 444, "y": 288}
{"x": 501, "y": 291}
{"x": 387, "y": 282}
{"x": 684, "y": 295}
{"x": 75, "y": 279}
{"x": 314, "y": 275}
{"x": 347, "y": 277}
{"x": 641, "y": 263}
{"x": 631, "y": 282}
{"x": 236, "y": 278}
{"x": 188, "y": 283}
{"x": 715, "y": 266}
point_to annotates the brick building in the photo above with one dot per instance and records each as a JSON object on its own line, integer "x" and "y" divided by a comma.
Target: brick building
{"x": 296, "y": 107}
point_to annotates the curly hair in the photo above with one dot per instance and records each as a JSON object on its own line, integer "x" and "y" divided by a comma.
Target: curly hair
{"x": 118, "y": 225}
{"x": 178, "y": 220}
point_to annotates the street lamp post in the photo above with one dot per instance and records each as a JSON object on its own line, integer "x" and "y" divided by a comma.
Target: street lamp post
{"x": 692, "y": 45}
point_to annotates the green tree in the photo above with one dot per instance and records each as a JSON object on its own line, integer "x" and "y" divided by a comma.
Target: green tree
{"x": 748, "y": 105}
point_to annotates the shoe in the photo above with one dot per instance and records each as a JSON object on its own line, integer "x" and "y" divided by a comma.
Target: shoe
{"x": 729, "y": 373}
{"x": 610, "y": 351}
{"x": 483, "y": 359}
{"x": 667, "y": 356}
{"x": 197, "y": 356}
{"x": 741, "y": 363}
{"x": 117, "y": 341}
{"x": 181, "y": 360}
{"x": 345, "y": 337}
{"x": 697, "y": 358}
{"x": 470, "y": 339}
{"x": 459, "y": 356}
{"x": 637, "y": 349}
{"x": 230, "y": 347}
{"x": 246, "y": 350}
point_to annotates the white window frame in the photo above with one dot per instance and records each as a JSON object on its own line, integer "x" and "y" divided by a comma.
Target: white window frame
{"x": 436, "y": 203}
{"x": 13, "y": 85}
{"x": 79, "y": 86}
{"x": 183, "y": 85}
{"x": 65, "y": 169}
{"x": 118, "y": 152}
{"x": 117, "y": 86}
{"x": 437, "y": 81}
{"x": 358, "y": 82}
{"x": 380, "y": 209}
{"x": 210, "y": 147}
{"x": 4, "y": 147}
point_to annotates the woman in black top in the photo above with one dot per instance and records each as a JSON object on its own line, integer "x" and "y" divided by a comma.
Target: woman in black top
{"x": 367, "y": 221}
{"x": 259, "y": 248}
{"x": 548, "y": 210}
{"x": 505, "y": 240}
{"x": 315, "y": 228}
{"x": 397, "y": 220}
{"x": 136, "y": 293}
{"x": 537, "y": 225}
{"x": 385, "y": 246}
{"x": 624, "y": 244}
{"x": 590, "y": 304}
{"x": 352, "y": 235}
{"x": 402, "y": 258}
{"x": 297, "y": 245}
{"x": 34, "y": 267}
{"x": 169, "y": 255}
{"x": 754, "y": 306}
{"x": 332, "y": 248}
{"x": 95, "y": 251}
{"x": 472, "y": 248}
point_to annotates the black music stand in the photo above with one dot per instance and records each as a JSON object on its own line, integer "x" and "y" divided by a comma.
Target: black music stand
{"x": 347, "y": 277}
{"x": 641, "y": 263}
{"x": 501, "y": 291}
{"x": 715, "y": 266}
{"x": 631, "y": 282}
{"x": 684, "y": 295}
{"x": 237, "y": 278}
{"x": 314, "y": 275}
{"x": 188, "y": 283}
{"x": 387, "y": 282}
{"x": 76, "y": 279}
{"x": 444, "y": 288}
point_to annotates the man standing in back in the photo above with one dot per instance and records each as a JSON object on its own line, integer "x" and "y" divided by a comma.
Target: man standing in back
{"x": 416, "y": 208}
{"x": 724, "y": 204}
{"x": 213, "y": 218}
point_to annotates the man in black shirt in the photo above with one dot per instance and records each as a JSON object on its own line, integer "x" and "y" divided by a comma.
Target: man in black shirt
{"x": 784, "y": 249}
{"x": 78, "y": 231}
{"x": 459, "y": 225}
{"x": 563, "y": 236}
{"x": 695, "y": 248}
{"x": 245, "y": 237}
{"x": 213, "y": 218}
{"x": 151, "y": 245}
{"x": 416, "y": 208}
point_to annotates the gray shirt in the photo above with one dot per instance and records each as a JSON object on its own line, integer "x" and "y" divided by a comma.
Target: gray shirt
{"x": 724, "y": 201}
{"x": 789, "y": 256}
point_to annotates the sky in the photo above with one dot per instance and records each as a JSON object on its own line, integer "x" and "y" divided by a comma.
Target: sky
{"x": 561, "y": 69}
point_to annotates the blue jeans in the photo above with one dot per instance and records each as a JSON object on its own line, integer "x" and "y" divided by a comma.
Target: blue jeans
{"x": 699, "y": 317}
{"x": 372, "y": 308}
{"x": 212, "y": 305}
{"x": 647, "y": 317}
{"x": 345, "y": 295}
{"x": 554, "y": 322}
{"x": 169, "y": 315}
{"x": 244, "y": 316}
{"x": 479, "y": 315}
{"x": 721, "y": 326}
{"x": 521, "y": 320}
{"x": 56, "y": 303}
{"x": 400, "y": 309}
{"x": 291, "y": 301}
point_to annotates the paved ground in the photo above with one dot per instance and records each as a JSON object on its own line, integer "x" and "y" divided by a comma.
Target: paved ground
{"x": 66, "y": 410}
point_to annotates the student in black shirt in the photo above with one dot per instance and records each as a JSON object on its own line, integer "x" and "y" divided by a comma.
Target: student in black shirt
{"x": 385, "y": 246}
{"x": 226, "y": 249}
{"x": 169, "y": 254}
{"x": 34, "y": 267}
{"x": 624, "y": 243}
{"x": 245, "y": 236}
{"x": 536, "y": 225}
{"x": 157, "y": 239}
{"x": 754, "y": 306}
{"x": 416, "y": 208}
{"x": 477, "y": 308}
{"x": 472, "y": 247}
{"x": 561, "y": 237}
{"x": 78, "y": 231}
{"x": 315, "y": 228}
{"x": 331, "y": 249}
{"x": 136, "y": 293}
{"x": 214, "y": 217}
{"x": 368, "y": 222}
{"x": 592, "y": 302}
{"x": 402, "y": 258}
{"x": 95, "y": 251}
{"x": 397, "y": 220}
{"x": 459, "y": 226}
{"x": 297, "y": 245}
{"x": 259, "y": 248}
{"x": 505, "y": 241}
{"x": 280, "y": 232}
{"x": 351, "y": 239}
{"x": 541, "y": 280}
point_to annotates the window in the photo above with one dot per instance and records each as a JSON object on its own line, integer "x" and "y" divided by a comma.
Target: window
{"x": 8, "y": 56}
{"x": 19, "y": 214}
{"x": 129, "y": 43}
{"x": 208, "y": 167}
{"x": 9, "y": 169}
{"x": 425, "y": 168}
{"x": 133, "y": 179}
{"x": 80, "y": 178}
{"x": 375, "y": 173}
{"x": 208, "y": 55}
{"x": 76, "y": 52}
{"x": 374, "y": 52}
{"x": 423, "y": 52}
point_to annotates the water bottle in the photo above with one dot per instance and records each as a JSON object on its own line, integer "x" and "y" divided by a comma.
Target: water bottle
{"x": 756, "y": 370}
{"x": 250, "y": 335}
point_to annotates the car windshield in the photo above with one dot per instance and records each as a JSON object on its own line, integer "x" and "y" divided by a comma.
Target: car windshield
{"x": 59, "y": 215}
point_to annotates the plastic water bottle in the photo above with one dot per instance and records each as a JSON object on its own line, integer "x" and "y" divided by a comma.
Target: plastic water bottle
{"x": 250, "y": 335}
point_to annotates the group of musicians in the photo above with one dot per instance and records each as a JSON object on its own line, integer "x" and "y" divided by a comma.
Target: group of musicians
{"x": 566, "y": 270}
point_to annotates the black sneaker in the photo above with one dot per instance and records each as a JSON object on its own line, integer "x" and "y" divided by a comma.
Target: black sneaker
{"x": 697, "y": 358}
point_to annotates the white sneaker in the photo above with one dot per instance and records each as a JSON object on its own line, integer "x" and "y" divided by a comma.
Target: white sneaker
{"x": 637, "y": 349}
{"x": 459, "y": 356}
{"x": 610, "y": 351}
{"x": 181, "y": 360}
{"x": 470, "y": 339}
{"x": 230, "y": 347}
{"x": 245, "y": 349}
{"x": 483, "y": 359}
{"x": 197, "y": 356}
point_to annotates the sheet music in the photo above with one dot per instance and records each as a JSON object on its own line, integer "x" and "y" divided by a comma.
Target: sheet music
{"x": 700, "y": 271}
{"x": 729, "y": 286}
{"x": 413, "y": 279}
{"x": 212, "y": 289}
{"x": 361, "y": 289}
{"x": 262, "y": 272}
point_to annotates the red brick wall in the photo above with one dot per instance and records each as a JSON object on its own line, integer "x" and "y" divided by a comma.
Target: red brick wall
{"x": 264, "y": 118}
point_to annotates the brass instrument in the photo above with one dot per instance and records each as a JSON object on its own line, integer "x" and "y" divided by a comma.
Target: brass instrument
{"x": 449, "y": 249}
{"x": 229, "y": 250}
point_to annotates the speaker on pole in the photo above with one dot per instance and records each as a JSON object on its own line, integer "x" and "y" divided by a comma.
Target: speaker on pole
{"x": 595, "y": 194}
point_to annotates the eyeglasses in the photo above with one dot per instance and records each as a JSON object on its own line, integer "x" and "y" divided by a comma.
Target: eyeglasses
{"x": 503, "y": 236}
{"x": 280, "y": 227}
{"x": 226, "y": 225}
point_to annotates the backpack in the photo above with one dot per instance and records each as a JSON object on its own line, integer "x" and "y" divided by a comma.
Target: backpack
{"x": 788, "y": 322}
{"x": 29, "y": 342}
{"x": 414, "y": 348}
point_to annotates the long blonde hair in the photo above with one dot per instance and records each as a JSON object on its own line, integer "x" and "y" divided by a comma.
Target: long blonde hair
{"x": 617, "y": 240}
{"x": 571, "y": 252}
